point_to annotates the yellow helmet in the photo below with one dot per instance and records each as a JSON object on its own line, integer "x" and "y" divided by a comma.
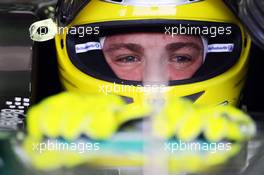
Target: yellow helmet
{"x": 83, "y": 67}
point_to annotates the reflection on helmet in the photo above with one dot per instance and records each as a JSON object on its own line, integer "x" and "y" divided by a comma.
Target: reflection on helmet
{"x": 198, "y": 48}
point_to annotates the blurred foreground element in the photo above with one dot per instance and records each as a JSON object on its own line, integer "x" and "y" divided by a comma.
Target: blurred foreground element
{"x": 69, "y": 115}
{"x": 124, "y": 151}
{"x": 99, "y": 117}
{"x": 72, "y": 129}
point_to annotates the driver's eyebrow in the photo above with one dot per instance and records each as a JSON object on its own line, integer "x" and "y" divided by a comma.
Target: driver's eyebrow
{"x": 129, "y": 46}
{"x": 179, "y": 45}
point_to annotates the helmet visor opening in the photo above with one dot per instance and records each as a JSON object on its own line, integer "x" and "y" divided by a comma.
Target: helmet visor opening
{"x": 130, "y": 52}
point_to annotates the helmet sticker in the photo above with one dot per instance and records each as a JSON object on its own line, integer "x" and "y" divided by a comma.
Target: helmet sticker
{"x": 220, "y": 48}
{"x": 81, "y": 48}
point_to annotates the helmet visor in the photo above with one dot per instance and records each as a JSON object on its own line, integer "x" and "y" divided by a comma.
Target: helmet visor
{"x": 132, "y": 53}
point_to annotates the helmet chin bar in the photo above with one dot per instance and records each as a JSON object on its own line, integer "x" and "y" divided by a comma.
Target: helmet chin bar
{"x": 152, "y": 2}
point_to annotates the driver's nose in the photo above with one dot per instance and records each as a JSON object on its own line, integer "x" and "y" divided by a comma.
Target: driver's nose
{"x": 155, "y": 70}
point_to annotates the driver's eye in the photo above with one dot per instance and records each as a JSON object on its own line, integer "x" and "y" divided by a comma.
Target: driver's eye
{"x": 128, "y": 59}
{"x": 181, "y": 59}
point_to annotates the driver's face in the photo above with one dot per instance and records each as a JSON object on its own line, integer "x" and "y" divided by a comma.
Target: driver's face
{"x": 132, "y": 55}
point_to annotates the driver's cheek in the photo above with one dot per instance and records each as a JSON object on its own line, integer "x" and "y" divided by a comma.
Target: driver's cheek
{"x": 184, "y": 72}
{"x": 175, "y": 74}
{"x": 133, "y": 72}
{"x": 181, "y": 74}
